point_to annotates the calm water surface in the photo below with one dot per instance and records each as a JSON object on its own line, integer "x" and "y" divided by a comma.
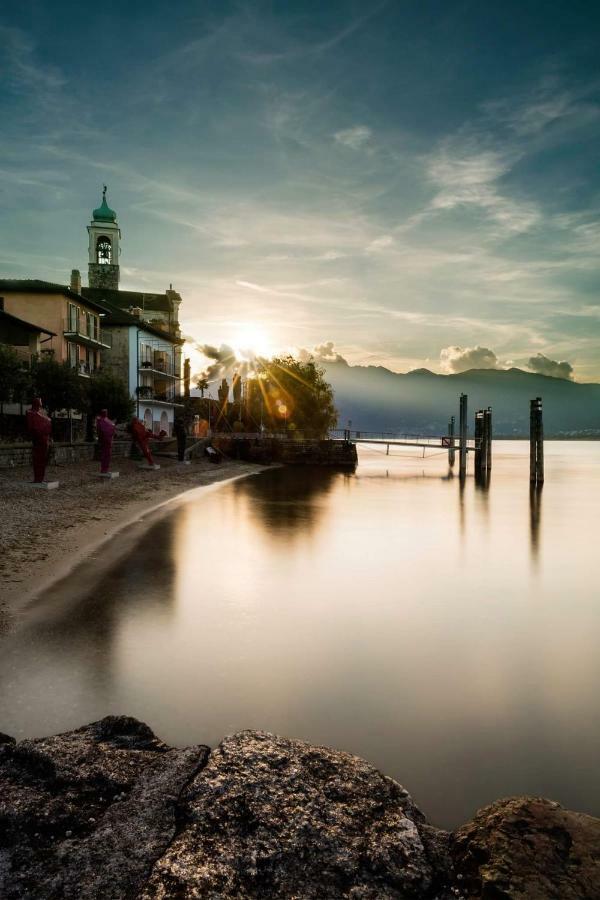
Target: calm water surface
{"x": 451, "y": 637}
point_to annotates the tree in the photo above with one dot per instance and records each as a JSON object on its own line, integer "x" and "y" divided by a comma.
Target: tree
{"x": 293, "y": 395}
{"x": 105, "y": 390}
{"x": 15, "y": 378}
{"x": 58, "y": 385}
{"x": 201, "y": 384}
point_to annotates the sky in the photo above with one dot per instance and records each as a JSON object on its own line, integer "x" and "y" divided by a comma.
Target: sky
{"x": 407, "y": 184}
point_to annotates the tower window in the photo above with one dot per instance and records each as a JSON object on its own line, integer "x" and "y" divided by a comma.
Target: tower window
{"x": 103, "y": 250}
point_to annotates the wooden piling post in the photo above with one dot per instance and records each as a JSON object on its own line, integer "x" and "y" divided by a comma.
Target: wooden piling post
{"x": 536, "y": 442}
{"x": 488, "y": 452}
{"x": 463, "y": 435}
{"x": 479, "y": 454}
{"x": 451, "y": 451}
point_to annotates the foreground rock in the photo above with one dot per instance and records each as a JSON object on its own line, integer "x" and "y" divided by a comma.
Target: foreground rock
{"x": 109, "y": 811}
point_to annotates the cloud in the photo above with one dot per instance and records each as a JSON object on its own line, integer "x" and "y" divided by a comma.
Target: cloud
{"x": 460, "y": 359}
{"x": 23, "y": 72}
{"x": 547, "y": 104}
{"x": 224, "y": 360}
{"x": 323, "y": 353}
{"x": 354, "y": 138}
{"x": 467, "y": 175}
{"x": 541, "y": 365}
{"x": 380, "y": 243}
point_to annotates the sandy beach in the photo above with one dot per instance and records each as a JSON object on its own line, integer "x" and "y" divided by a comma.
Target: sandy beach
{"x": 45, "y": 534}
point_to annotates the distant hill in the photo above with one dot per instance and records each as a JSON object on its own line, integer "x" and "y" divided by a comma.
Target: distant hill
{"x": 376, "y": 399}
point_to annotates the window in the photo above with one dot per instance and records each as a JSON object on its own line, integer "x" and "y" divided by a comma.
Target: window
{"x": 72, "y": 355}
{"x": 146, "y": 356}
{"x": 103, "y": 250}
{"x": 73, "y": 322}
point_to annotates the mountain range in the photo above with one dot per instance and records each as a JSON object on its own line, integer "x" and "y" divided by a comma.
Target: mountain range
{"x": 374, "y": 398}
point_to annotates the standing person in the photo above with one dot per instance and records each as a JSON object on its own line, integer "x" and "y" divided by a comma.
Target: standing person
{"x": 39, "y": 427}
{"x": 181, "y": 435}
{"x": 140, "y": 436}
{"x": 105, "y": 429}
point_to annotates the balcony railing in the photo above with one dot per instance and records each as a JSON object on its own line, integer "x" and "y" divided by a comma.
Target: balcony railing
{"x": 146, "y": 392}
{"x": 158, "y": 367}
{"x": 78, "y": 330}
{"x": 84, "y": 369}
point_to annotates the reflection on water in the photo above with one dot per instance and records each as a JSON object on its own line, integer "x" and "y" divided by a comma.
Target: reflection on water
{"x": 535, "y": 517}
{"x": 447, "y": 632}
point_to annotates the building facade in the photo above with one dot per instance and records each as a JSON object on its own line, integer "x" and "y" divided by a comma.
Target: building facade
{"x": 146, "y": 345}
{"x": 74, "y": 320}
{"x": 145, "y": 358}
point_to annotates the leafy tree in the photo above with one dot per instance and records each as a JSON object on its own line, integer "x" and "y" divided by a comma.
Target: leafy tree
{"x": 105, "y": 390}
{"x": 291, "y": 394}
{"x": 201, "y": 384}
{"x": 15, "y": 378}
{"x": 58, "y": 385}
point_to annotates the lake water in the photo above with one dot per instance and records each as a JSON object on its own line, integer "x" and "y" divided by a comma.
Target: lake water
{"x": 449, "y": 635}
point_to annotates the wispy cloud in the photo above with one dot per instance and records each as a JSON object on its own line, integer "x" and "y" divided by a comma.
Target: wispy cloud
{"x": 22, "y": 70}
{"x": 466, "y": 176}
{"x": 354, "y": 138}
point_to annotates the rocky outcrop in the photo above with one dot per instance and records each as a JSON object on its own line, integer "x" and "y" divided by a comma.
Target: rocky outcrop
{"x": 109, "y": 811}
{"x": 527, "y": 847}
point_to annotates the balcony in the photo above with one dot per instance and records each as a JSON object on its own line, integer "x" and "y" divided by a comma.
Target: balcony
{"x": 147, "y": 392}
{"x": 79, "y": 332}
{"x": 84, "y": 369}
{"x": 165, "y": 369}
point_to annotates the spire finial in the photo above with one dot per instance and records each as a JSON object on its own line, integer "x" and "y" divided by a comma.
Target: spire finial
{"x": 104, "y": 193}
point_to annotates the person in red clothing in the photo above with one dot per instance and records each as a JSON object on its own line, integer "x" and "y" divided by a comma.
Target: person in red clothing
{"x": 39, "y": 428}
{"x": 105, "y": 429}
{"x": 140, "y": 436}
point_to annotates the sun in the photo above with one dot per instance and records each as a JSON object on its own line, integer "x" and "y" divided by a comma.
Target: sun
{"x": 249, "y": 341}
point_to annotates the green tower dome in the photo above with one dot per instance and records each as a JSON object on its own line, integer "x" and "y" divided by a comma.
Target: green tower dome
{"x": 104, "y": 213}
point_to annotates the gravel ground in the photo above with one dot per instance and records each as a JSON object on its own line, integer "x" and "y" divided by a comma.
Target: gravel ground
{"x": 38, "y": 527}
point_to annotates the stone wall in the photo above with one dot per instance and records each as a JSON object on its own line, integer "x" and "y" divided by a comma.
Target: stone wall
{"x": 20, "y": 454}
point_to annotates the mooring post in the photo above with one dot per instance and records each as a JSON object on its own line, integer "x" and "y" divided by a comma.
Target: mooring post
{"x": 536, "y": 442}
{"x": 479, "y": 455}
{"x": 451, "y": 451}
{"x": 540, "y": 442}
{"x": 483, "y": 441}
{"x": 488, "y": 452}
{"x": 463, "y": 436}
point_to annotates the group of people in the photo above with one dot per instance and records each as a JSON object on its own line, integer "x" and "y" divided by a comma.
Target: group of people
{"x": 39, "y": 428}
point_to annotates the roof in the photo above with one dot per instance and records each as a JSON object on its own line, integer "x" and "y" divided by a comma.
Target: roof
{"x": 115, "y": 316}
{"x": 36, "y": 286}
{"x": 104, "y": 213}
{"x": 125, "y": 299}
{"x": 28, "y": 326}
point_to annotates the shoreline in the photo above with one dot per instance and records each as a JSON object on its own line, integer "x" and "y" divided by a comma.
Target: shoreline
{"x": 46, "y": 536}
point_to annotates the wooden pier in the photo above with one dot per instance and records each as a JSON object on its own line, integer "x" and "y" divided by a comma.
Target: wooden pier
{"x": 480, "y": 444}
{"x": 289, "y": 448}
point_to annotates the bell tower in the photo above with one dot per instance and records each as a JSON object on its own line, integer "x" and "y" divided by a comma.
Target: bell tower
{"x": 104, "y": 232}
